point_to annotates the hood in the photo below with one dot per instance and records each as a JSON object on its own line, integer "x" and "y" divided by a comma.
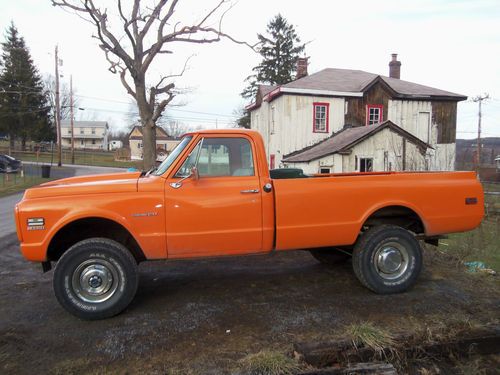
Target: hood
{"x": 82, "y": 185}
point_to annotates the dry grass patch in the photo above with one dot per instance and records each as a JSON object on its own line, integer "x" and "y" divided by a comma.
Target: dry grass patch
{"x": 267, "y": 362}
{"x": 368, "y": 335}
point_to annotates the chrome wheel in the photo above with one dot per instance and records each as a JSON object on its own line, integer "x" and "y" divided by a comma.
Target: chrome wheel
{"x": 95, "y": 280}
{"x": 391, "y": 260}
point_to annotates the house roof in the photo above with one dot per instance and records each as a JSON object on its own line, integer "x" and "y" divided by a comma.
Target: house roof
{"x": 161, "y": 134}
{"x": 345, "y": 139}
{"x": 348, "y": 82}
{"x": 358, "y": 81}
{"x": 84, "y": 124}
{"x": 266, "y": 89}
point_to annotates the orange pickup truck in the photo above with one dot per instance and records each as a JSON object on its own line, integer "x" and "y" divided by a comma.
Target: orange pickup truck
{"x": 214, "y": 196}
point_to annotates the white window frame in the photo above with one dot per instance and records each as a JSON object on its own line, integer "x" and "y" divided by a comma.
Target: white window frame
{"x": 378, "y": 114}
{"x": 321, "y": 117}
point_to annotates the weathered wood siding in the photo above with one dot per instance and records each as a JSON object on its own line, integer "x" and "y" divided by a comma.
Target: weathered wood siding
{"x": 291, "y": 126}
{"x": 405, "y": 114}
{"x": 385, "y": 148}
{"x": 444, "y": 115}
{"x": 356, "y": 107}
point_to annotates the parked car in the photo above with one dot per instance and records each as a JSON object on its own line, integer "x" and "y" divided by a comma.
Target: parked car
{"x": 8, "y": 164}
{"x": 214, "y": 196}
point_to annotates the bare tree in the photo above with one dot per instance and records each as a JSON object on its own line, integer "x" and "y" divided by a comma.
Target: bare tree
{"x": 175, "y": 128}
{"x": 145, "y": 33}
{"x": 50, "y": 86}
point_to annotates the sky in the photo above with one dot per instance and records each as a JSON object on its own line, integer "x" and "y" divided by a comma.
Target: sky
{"x": 452, "y": 45}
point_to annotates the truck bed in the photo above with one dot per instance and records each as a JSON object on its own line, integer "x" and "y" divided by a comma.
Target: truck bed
{"x": 328, "y": 210}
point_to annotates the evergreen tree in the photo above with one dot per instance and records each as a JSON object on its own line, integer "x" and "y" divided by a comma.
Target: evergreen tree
{"x": 279, "y": 49}
{"x": 24, "y": 110}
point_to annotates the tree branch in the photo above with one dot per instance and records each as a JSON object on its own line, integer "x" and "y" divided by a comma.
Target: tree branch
{"x": 155, "y": 14}
{"x": 161, "y": 107}
{"x": 137, "y": 27}
{"x": 126, "y": 24}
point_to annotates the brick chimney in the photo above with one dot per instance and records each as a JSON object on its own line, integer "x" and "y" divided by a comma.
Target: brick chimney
{"x": 301, "y": 67}
{"x": 395, "y": 67}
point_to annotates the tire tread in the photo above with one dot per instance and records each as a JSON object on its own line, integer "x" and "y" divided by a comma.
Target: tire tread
{"x": 82, "y": 247}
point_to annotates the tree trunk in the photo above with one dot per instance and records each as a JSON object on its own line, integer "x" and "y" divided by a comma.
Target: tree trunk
{"x": 147, "y": 124}
{"x": 149, "y": 144}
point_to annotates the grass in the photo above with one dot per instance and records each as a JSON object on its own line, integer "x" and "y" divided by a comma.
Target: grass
{"x": 96, "y": 158}
{"x": 17, "y": 183}
{"x": 267, "y": 362}
{"x": 481, "y": 244}
{"x": 437, "y": 328}
{"x": 368, "y": 335}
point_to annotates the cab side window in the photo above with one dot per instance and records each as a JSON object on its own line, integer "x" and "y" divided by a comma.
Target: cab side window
{"x": 225, "y": 157}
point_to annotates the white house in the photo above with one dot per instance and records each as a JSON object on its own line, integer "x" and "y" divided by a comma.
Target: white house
{"x": 87, "y": 134}
{"x": 300, "y": 115}
{"x": 379, "y": 147}
{"x": 164, "y": 143}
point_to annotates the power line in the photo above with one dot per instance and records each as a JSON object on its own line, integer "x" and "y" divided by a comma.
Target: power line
{"x": 169, "y": 109}
{"x": 128, "y": 103}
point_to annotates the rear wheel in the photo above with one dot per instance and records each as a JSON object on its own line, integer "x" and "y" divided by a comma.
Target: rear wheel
{"x": 387, "y": 259}
{"x": 95, "y": 279}
{"x": 331, "y": 256}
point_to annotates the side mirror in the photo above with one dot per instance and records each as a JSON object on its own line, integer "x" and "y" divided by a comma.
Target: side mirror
{"x": 192, "y": 174}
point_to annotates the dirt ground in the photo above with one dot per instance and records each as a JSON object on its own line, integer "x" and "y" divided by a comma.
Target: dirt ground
{"x": 202, "y": 317}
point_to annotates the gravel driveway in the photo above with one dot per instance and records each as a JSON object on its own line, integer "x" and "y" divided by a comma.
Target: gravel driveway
{"x": 203, "y": 316}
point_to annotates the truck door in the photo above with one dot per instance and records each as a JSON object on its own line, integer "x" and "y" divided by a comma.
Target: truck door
{"x": 218, "y": 212}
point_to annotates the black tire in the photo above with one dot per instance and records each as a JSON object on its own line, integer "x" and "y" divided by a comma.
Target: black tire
{"x": 375, "y": 259}
{"x": 96, "y": 278}
{"x": 331, "y": 256}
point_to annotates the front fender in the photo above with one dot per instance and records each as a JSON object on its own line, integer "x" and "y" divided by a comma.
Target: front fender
{"x": 37, "y": 251}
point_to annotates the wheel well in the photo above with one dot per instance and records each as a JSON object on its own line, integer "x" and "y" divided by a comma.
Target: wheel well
{"x": 82, "y": 229}
{"x": 396, "y": 215}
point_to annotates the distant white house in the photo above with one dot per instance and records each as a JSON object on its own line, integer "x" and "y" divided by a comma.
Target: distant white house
{"x": 164, "y": 143}
{"x": 115, "y": 144}
{"x": 87, "y": 134}
{"x": 497, "y": 161}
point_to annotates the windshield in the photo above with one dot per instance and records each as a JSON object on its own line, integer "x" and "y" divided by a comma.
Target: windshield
{"x": 173, "y": 155}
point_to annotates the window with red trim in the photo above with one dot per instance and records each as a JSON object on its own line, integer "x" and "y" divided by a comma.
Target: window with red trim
{"x": 272, "y": 158}
{"x": 321, "y": 113}
{"x": 374, "y": 114}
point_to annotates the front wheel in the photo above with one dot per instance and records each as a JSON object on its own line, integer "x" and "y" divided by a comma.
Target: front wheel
{"x": 387, "y": 259}
{"x": 96, "y": 278}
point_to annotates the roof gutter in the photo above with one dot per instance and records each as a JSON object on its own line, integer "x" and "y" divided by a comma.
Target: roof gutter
{"x": 289, "y": 90}
{"x": 252, "y": 106}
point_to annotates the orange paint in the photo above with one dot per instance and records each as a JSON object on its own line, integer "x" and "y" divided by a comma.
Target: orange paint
{"x": 215, "y": 216}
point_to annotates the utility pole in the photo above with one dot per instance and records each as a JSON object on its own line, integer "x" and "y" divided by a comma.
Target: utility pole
{"x": 479, "y": 99}
{"x": 72, "y": 119}
{"x": 58, "y": 113}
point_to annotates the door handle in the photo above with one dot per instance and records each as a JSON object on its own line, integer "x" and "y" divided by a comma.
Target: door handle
{"x": 250, "y": 191}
